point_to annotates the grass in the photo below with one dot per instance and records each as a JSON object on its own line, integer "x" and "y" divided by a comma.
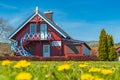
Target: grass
{"x": 49, "y": 70}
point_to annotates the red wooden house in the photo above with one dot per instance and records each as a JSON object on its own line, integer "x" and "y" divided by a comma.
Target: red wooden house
{"x": 40, "y": 36}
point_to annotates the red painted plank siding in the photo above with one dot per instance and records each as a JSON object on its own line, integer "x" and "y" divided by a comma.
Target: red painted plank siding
{"x": 55, "y": 35}
{"x": 38, "y": 49}
{"x": 56, "y": 51}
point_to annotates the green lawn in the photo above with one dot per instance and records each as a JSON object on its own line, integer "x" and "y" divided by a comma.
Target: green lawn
{"x": 69, "y": 70}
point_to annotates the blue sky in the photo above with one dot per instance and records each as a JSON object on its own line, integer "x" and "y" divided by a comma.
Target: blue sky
{"x": 81, "y": 19}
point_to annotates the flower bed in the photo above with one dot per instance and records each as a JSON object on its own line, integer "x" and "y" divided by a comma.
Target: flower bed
{"x": 55, "y": 58}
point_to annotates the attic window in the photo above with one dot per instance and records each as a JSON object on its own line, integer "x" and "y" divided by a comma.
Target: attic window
{"x": 32, "y": 28}
{"x": 43, "y": 31}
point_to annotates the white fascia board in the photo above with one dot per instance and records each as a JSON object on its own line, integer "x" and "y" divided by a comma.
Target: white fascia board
{"x": 52, "y": 25}
{"x": 21, "y": 27}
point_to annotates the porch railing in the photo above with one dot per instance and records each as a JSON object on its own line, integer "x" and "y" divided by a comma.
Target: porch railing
{"x": 37, "y": 36}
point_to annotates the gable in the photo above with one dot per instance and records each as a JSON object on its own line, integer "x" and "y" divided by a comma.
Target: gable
{"x": 40, "y": 18}
{"x": 36, "y": 19}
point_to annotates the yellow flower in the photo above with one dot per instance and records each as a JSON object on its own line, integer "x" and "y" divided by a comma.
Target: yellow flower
{"x": 83, "y": 65}
{"x": 98, "y": 78}
{"x": 86, "y": 77}
{"x": 106, "y": 71}
{"x": 6, "y": 62}
{"x": 63, "y": 67}
{"x": 23, "y": 76}
{"x": 94, "y": 70}
{"x": 21, "y": 64}
{"x": 90, "y": 77}
{"x": 45, "y": 66}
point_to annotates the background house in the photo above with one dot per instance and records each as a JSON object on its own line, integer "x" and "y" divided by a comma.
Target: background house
{"x": 118, "y": 51}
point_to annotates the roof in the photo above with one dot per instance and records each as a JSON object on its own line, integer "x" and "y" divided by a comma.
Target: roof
{"x": 78, "y": 41}
{"x": 53, "y": 25}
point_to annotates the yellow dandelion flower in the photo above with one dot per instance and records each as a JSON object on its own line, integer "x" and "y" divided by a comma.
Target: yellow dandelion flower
{"x": 98, "y": 78}
{"x": 83, "y": 65}
{"x": 45, "y": 66}
{"x": 6, "y": 62}
{"x": 86, "y": 77}
{"x": 94, "y": 70}
{"x": 23, "y": 76}
{"x": 63, "y": 67}
{"x": 90, "y": 77}
{"x": 106, "y": 71}
{"x": 21, "y": 64}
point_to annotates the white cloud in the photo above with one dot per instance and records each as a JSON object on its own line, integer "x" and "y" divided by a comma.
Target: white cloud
{"x": 87, "y": 31}
{"x": 7, "y": 6}
{"x": 14, "y": 20}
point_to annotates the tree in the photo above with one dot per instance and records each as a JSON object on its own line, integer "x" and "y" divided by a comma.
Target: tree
{"x": 102, "y": 48}
{"x": 113, "y": 54}
{"x": 111, "y": 49}
{"x": 106, "y": 49}
{"x": 5, "y": 30}
{"x": 110, "y": 42}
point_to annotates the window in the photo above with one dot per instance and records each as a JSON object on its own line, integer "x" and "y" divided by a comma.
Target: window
{"x": 43, "y": 31}
{"x": 46, "y": 49}
{"x": 32, "y": 28}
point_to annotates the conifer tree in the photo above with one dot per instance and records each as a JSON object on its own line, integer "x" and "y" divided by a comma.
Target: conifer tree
{"x": 110, "y": 42}
{"x": 102, "y": 48}
{"x": 113, "y": 54}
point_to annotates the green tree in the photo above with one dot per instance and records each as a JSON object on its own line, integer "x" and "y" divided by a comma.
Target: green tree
{"x": 110, "y": 42}
{"x": 113, "y": 54}
{"x": 102, "y": 48}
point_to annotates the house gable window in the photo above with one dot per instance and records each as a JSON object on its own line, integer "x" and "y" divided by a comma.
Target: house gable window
{"x": 33, "y": 28}
{"x": 43, "y": 31}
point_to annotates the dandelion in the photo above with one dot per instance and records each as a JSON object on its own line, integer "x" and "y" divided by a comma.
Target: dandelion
{"x": 98, "y": 78}
{"x": 106, "y": 71}
{"x": 45, "y": 66}
{"x": 86, "y": 77}
{"x": 90, "y": 77}
{"x": 63, "y": 67}
{"x": 83, "y": 65}
{"x": 23, "y": 76}
{"x": 6, "y": 62}
{"x": 22, "y": 64}
{"x": 94, "y": 70}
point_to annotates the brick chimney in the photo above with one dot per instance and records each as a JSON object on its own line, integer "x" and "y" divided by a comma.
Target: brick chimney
{"x": 48, "y": 14}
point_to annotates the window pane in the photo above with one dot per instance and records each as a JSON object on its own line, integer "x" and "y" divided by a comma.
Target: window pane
{"x": 43, "y": 27}
{"x": 46, "y": 49}
{"x": 32, "y": 28}
{"x": 43, "y": 31}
